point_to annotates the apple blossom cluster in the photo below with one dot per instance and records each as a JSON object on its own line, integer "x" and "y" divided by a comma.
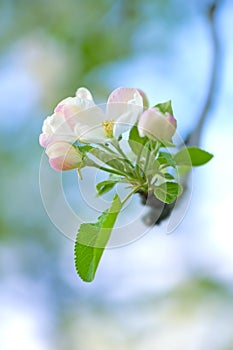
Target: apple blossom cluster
{"x": 80, "y": 119}
{"x": 124, "y": 138}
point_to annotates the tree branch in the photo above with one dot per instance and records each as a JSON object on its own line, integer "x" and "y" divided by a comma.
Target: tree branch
{"x": 160, "y": 211}
{"x": 194, "y": 137}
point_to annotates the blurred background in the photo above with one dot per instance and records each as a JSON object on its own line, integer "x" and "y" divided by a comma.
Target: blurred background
{"x": 162, "y": 291}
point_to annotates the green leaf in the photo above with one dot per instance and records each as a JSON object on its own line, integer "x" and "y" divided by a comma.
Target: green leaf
{"x": 167, "y": 144}
{"x": 192, "y": 156}
{"x": 102, "y": 155}
{"x": 153, "y": 167}
{"x": 136, "y": 142}
{"x": 84, "y": 149}
{"x": 92, "y": 239}
{"x": 106, "y": 185}
{"x": 166, "y": 158}
{"x": 110, "y": 159}
{"x": 168, "y": 192}
{"x": 168, "y": 176}
{"x": 165, "y": 107}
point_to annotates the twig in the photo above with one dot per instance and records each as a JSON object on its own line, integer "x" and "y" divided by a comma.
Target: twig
{"x": 194, "y": 137}
{"x": 161, "y": 211}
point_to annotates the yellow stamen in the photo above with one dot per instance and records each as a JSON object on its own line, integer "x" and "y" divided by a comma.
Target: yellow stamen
{"x": 108, "y": 127}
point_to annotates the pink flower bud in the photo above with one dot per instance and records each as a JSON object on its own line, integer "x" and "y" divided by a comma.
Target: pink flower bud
{"x": 156, "y": 125}
{"x": 64, "y": 156}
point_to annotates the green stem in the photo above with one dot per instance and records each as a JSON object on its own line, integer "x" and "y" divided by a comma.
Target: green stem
{"x": 91, "y": 163}
{"x": 147, "y": 157}
{"x": 107, "y": 148}
{"x": 115, "y": 144}
{"x": 139, "y": 155}
{"x": 153, "y": 152}
{"x": 130, "y": 194}
{"x": 156, "y": 149}
{"x": 116, "y": 172}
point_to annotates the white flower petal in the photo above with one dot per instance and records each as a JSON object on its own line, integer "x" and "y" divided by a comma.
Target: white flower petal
{"x": 46, "y": 139}
{"x": 124, "y": 115}
{"x": 89, "y": 122}
{"x": 59, "y": 125}
{"x": 84, "y": 94}
{"x": 84, "y": 99}
{"x": 124, "y": 107}
{"x": 46, "y": 128}
{"x": 65, "y": 102}
{"x": 126, "y": 95}
{"x": 92, "y": 135}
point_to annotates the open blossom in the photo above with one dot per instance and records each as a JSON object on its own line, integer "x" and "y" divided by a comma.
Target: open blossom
{"x": 64, "y": 156}
{"x": 59, "y": 127}
{"x": 156, "y": 125}
{"x": 79, "y": 118}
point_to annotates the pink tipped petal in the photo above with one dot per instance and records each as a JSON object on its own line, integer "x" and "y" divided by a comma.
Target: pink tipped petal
{"x": 124, "y": 106}
{"x": 156, "y": 125}
{"x": 146, "y": 123}
{"x": 69, "y": 114}
{"x": 61, "y": 164}
{"x": 125, "y": 95}
{"x": 56, "y": 163}
{"x": 60, "y": 106}
{"x": 44, "y": 140}
{"x": 64, "y": 156}
{"x": 70, "y": 110}
{"x": 172, "y": 120}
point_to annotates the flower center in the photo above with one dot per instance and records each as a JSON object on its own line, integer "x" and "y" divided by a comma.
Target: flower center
{"x": 108, "y": 127}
